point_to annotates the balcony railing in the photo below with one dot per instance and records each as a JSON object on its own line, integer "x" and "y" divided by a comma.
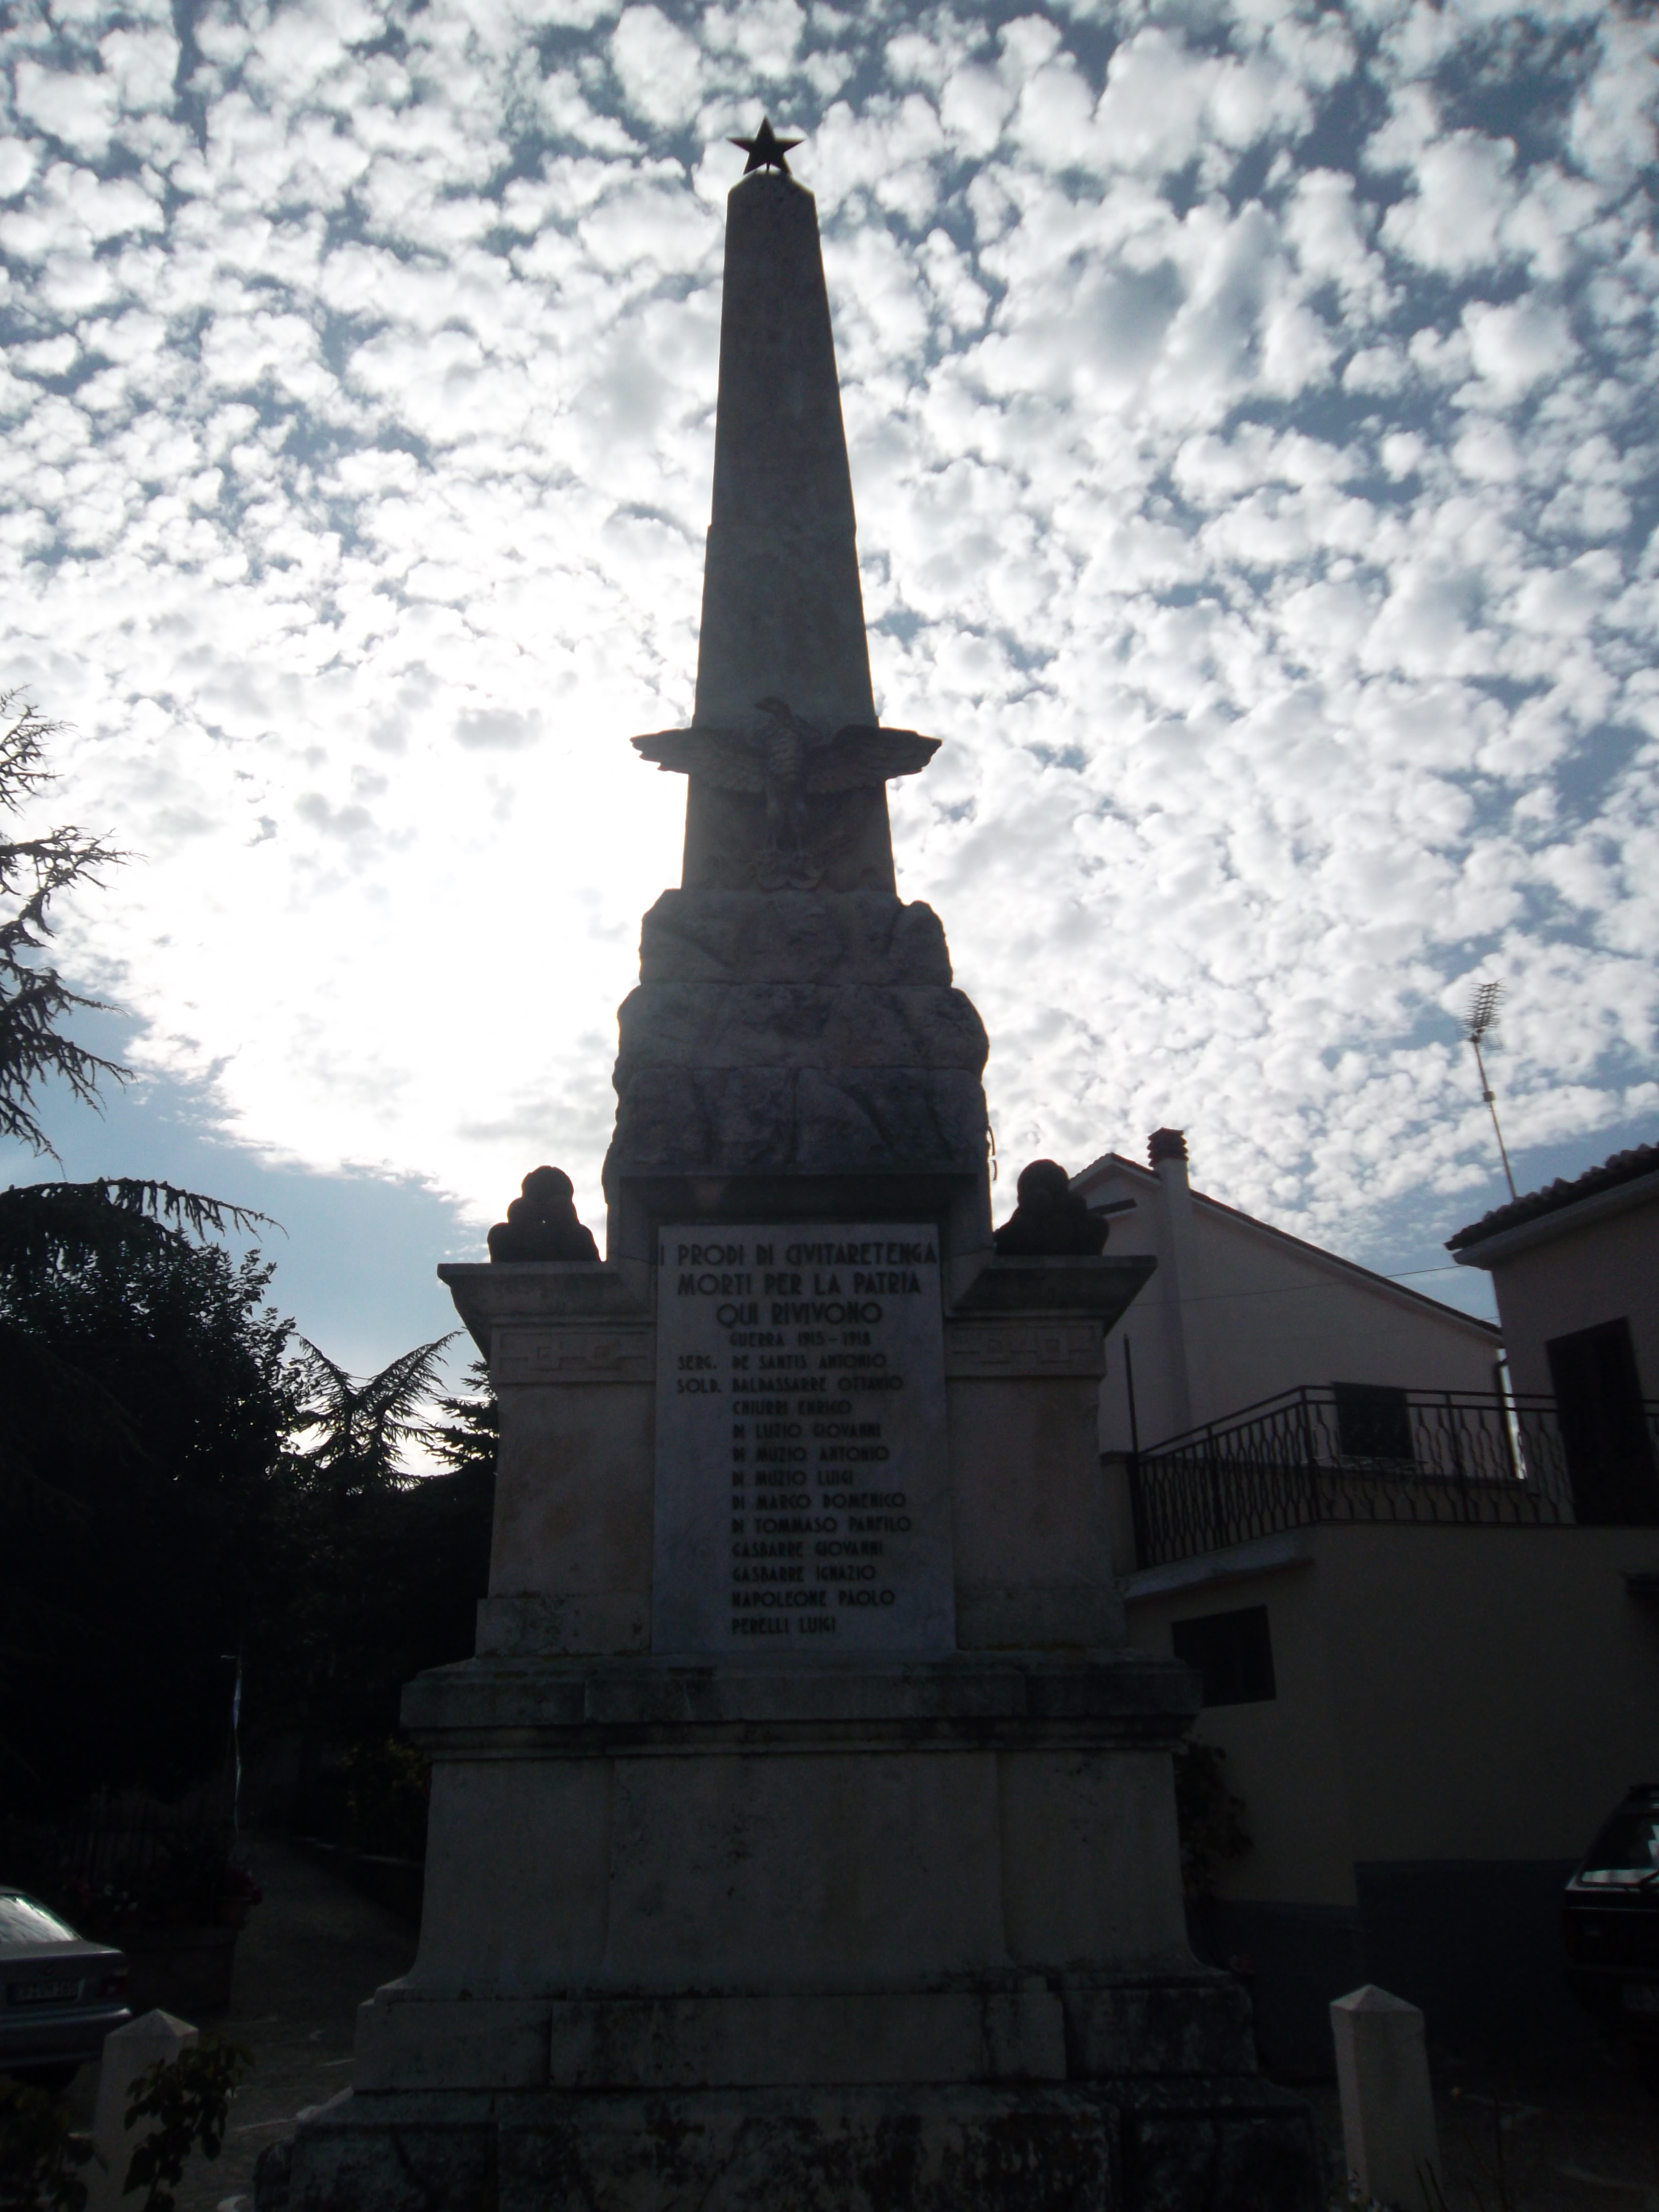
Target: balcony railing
{"x": 1349, "y": 1453}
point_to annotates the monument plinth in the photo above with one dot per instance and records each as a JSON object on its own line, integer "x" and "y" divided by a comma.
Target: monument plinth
{"x": 802, "y": 1835}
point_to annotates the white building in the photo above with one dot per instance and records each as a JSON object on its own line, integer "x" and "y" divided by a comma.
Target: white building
{"x": 1424, "y": 1625}
{"x": 1576, "y": 1272}
{"x": 1239, "y": 1311}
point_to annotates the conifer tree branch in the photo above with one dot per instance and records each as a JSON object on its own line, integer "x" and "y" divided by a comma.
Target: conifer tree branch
{"x": 35, "y": 999}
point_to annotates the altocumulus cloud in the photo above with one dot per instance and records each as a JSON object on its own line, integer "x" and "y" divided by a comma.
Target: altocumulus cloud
{"x": 1253, "y": 433}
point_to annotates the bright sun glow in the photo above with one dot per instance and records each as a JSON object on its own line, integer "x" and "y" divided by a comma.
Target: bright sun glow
{"x": 1251, "y": 430}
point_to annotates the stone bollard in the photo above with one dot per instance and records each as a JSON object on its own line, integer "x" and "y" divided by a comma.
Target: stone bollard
{"x": 127, "y": 2052}
{"x": 1387, "y": 2107}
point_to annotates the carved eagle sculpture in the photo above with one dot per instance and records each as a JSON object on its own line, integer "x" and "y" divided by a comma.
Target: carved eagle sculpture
{"x": 782, "y": 748}
{"x": 787, "y": 760}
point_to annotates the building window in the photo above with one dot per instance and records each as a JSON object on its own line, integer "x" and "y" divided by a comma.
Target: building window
{"x": 1231, "y": 1653}
{"x": 1604, "y": 1428}
{"x": 1373, "y": 1421}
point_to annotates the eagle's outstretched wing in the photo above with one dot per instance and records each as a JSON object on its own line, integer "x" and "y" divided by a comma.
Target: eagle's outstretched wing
{"x": 732, "y": 760}
{"x": 862, "y": 755}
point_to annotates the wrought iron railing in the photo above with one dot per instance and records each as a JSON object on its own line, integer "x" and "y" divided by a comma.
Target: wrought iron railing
{"x": 1347, "y": 1453}
{"x": 123, "y": 1833}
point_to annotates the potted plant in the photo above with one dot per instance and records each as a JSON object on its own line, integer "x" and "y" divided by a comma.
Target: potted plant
{"x": 177, "y": 1919}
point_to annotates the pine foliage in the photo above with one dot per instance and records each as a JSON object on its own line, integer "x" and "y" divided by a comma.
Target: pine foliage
{"x": 466, "y": 1442}
{"x": 35, "y": 999}
{"x": 175, "y": 1486}
{"x": 361, "y": 1430}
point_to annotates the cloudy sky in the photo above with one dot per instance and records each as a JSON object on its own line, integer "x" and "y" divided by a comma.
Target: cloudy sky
{"x": 1252, "y": 429}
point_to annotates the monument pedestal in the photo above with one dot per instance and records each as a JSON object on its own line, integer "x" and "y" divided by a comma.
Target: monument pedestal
{"x": 649, "y": 1875}
{"x": 738, "y": 1934}
{"x": 734, "y": 1928}
{"x": 755, "y": 1937}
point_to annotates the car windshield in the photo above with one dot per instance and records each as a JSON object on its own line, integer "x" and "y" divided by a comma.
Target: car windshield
{"x": 23, "y": 1921}
{"x": 1628, "y": 1845}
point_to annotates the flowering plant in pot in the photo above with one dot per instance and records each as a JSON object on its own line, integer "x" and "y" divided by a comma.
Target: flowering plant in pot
{"x": 177, "y": 1920}
{"x": 195, "y": 1882}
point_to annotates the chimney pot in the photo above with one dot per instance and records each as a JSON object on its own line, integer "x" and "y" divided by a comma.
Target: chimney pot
{"x": 1166, "y": 1144}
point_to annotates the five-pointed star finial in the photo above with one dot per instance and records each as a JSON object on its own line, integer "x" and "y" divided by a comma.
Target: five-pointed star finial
{"x": 765, "y": 149}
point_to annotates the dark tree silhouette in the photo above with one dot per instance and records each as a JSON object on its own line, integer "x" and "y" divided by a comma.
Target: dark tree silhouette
{"x": 35, "y": 999}
{"x": 362, "y": 1429}
{"x": 63, "y": 1246}
{"x": 396, "y": 1560}
{"x": 466, "y": 1441}
{"x": 173, "y": 1486}
{"x": 145, "y": 1403}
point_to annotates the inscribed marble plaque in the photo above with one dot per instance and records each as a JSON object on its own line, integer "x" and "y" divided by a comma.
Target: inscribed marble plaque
{"x": 802, "y": 1504}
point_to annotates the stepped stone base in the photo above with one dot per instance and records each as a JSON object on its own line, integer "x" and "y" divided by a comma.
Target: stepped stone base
{"x": 1218, "y": 2144}
{"x": 732, "y": 1937}
{"x": 1170, "y": 2022}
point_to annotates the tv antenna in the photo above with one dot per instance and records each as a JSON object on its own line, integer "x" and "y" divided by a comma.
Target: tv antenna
{"x": 1480, "y": 1020}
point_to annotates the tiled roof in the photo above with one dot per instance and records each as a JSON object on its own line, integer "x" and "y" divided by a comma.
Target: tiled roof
{"x": 1134, "y": 1172}
{"x": 1623, "y": 1166}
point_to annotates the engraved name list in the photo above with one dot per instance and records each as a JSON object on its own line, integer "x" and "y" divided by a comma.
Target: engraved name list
{"x": 802, "y": 1490}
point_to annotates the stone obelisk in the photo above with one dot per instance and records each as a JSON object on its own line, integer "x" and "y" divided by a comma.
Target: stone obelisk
{"x": 802, "y": 1834}
{"x": 781, "y": 606}
{"x": 795, "y": 1045}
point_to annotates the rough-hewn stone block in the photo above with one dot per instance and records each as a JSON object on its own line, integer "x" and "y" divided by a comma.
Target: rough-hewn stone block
{"x": 487, "y": 2043}
{"x": 1169, "y": 2025}
{"x": 1215, "y": 2145}
{"x": 828, "y": 1025}
{"x": 791, "y": 936}
{"x": 859, "y": 2037}
{"x": 760, "y": 1120}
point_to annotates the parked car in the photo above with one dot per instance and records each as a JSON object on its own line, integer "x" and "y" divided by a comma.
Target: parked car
{"x": 1610, "y": 1918}
{"x": 63, "y": 1995}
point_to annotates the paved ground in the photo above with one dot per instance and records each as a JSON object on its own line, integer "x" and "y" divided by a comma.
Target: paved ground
{"x": 1576, "y": 2134}
{"x": 1578, "y": 2137}
{"x": 307, "y": 1958}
